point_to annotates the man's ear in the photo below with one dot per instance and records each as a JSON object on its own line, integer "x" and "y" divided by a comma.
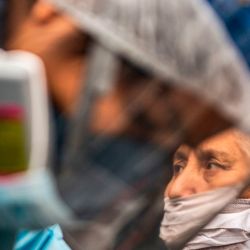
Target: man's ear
{"x": 42, "y": 11}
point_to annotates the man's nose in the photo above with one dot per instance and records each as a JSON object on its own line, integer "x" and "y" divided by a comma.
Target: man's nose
{"x": 189, "y": 182}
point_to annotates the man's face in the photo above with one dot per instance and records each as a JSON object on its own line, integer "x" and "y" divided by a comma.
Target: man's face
{"x": 216, "y": 162}
{"x": 54, "y": 37}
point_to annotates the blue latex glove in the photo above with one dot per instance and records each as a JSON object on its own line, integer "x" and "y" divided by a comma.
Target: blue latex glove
{"x": 48, "y": 239}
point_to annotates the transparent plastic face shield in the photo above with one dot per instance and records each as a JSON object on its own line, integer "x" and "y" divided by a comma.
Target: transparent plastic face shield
{"x": 133, "y": 137}
{"x": 146, "y": 124}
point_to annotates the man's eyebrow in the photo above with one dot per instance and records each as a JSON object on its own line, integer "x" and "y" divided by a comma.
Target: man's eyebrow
{"x": 180, "y": 155}
{"x": 215, "y": 154}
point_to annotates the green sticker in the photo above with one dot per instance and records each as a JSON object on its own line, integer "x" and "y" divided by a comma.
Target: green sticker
{"x": 13, "y": 151}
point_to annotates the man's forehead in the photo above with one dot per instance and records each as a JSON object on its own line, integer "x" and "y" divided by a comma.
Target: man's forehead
{"x": 226, "y": 138}
{"x": 221, "y": 145}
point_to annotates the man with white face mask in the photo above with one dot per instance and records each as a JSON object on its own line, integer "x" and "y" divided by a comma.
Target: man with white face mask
{"x": 218, "y": 162}
{"x": 213, "y": 173}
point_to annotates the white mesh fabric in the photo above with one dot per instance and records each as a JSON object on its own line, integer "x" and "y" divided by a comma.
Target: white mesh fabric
{"x": 180, "y": 41}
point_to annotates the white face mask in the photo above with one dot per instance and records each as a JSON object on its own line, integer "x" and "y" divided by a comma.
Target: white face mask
{"x": 230, "y": 227}
{"x": 184, "y": 217}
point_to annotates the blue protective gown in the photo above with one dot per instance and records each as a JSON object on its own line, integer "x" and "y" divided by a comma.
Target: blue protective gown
{"x": 48, "y": 239}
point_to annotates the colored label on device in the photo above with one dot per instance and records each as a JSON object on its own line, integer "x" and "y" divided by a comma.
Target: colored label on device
{"x": 13, "y": 144}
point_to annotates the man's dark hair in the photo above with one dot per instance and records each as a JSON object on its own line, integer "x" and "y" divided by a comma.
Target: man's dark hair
{"x": 31, "y": 2}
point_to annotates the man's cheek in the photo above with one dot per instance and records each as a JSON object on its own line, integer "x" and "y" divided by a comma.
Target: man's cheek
{"x": 212, "y": 176}
{"x": 224, "y": 178}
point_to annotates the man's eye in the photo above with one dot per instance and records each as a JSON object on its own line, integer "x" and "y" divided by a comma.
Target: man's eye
{"x": 213, "y": 166}
{"x": 178, "y": 168}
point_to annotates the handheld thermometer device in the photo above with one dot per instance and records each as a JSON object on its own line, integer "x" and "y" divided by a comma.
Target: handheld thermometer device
{"x": 24, "y": 123}
{"x": 28, "y": 196}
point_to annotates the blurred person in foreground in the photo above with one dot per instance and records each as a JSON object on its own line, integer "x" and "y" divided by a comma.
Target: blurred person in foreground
{"x": 62, "y": 34}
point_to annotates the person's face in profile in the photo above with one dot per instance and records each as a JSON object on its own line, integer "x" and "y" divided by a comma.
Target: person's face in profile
{"x": 216, "y": 162}
{"x": 136, "y": 104}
